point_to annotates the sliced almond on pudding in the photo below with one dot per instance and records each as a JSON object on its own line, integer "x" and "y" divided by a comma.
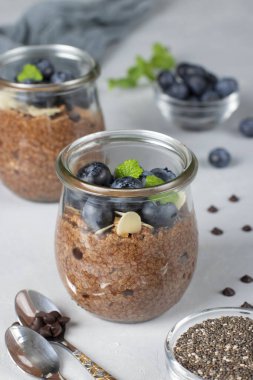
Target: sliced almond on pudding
{"x": 129, "y": 223}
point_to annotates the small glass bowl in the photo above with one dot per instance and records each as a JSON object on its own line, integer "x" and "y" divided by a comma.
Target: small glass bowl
{"x": 196, "y": 115}
{"x": 175, "y": 370}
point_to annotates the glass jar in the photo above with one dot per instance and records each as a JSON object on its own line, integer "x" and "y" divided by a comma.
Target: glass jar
{"x": 126, "y": 255}
{"x": 175, "y": 370}
{"x": 38, "y": 120}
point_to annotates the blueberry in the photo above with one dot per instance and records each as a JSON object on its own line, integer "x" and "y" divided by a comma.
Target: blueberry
{"x": 127, "y": 204}
{"x": 211, "y": 78}
{"x": 246, "y": 127}
{"x": 127, "y": 183}
{"x": 219, "y": 157}
{"x": 97, "y": 215}
{"x": 158, "y": 215}
{"x": 196, "y": 83}
{"x": 186, "y": 69}
{"x": 95, "y": 173}
{"x": 209, "y": 95}
{"x": 165, "y": 79}
{"x": 46, "y": 68}
{"x": 179, "y": 91}
{"x": 75, "y": 199}
{"x": 42, "y": 100}
{"x": 61, "y": 76}
{"x": 226, "y": 86}
{"x": 165, "y": 174}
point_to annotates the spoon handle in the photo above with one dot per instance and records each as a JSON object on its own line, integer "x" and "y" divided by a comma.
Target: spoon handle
{"x": 93, "y": 368}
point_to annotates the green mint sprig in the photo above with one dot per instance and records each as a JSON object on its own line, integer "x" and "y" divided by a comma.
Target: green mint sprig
{"x": 153, "y": 180}
{"x": 30, "y": 72}
{"x": 161, "y": 59}
{"x": 128, "y": 168}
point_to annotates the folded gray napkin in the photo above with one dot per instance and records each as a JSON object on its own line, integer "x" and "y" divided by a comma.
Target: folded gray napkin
{"x": 91, "y": 25}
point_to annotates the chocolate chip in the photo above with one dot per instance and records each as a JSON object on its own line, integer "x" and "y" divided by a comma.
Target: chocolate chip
{"x": 228, "y": 292}
{"x": 77, "y": 253}
{"x": 247, "y": 228}
{"x": 56, "y": 329}
{"x": 37, "y": 323}
{"x": 48, "y": 319}
{"x": 233, "y": 198}
{"x": 85, "y": 295}
{"x": 246, "y": 279}
{"x": 212, "y": 209}
{"x": 40, "y": 314}
{"x": 128, "y": 292}
{"x": 63, "y": 320}
{"x": 216, "y": 231}
{"x": 74, "y": 116}
{"x": 247, "y": 305}
{"x": 46, "y": 331}
{"x": 55, "y": 314}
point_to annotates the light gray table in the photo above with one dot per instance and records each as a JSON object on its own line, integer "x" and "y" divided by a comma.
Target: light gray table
{"x": 219, "y": 35}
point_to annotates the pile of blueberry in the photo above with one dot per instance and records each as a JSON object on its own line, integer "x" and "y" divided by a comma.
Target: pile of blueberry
{"x": 43, "y": 71}
{"x": 48, "y": 72}
{"x": 101, "y": 213}
{"x": 194, "y": 83}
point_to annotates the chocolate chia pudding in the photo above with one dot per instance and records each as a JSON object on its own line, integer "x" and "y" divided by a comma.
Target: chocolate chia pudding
{"x": 30, "y": 140}
{"x": 128, "y": 279}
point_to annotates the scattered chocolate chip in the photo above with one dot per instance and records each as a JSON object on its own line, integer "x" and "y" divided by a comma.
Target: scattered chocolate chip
{"x": 246, "y": 279}
{"x": 233, "y": 198}
{"x": 77, "y": 253}
{"x": 56, "y": 329}
{"x": 85, "y": 295}
{"x": 247, "y": 305}
{"x": 212, "y": 209}
{"x": 216, "y": 231}
{"x": 74, "y": 116}
{"x": 228, "y": 292}
{"x": 247, "y": 228}
{"x": 128, "y": 292}
{"x": 46, "y": 331}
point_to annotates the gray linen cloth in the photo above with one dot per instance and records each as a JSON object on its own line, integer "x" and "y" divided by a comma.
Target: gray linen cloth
{"x": 92, "y": 25}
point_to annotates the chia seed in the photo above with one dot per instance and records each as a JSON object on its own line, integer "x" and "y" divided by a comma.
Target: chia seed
{"x": 218, "y": 349}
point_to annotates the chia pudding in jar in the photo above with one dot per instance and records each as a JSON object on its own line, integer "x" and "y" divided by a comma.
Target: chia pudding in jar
{"x": 48, "y": 99}
{"x": 126, "y": 235}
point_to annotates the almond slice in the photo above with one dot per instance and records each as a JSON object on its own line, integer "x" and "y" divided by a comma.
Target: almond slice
{"x": 129, "y": 223}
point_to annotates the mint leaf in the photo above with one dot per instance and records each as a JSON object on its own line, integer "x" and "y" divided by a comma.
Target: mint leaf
{"x": 161, "y": 59}
{"x": 153, "y": 180}
{"x": 30, "y": 72}
{"x": 128, "y": 168}
{"x": 178, "y": 198}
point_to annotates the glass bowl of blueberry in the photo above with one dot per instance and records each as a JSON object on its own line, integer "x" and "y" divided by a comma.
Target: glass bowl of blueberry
{"x": 193, "y": 98}
{"x": 126, "y": 234}
{"x": 48, "y": 98}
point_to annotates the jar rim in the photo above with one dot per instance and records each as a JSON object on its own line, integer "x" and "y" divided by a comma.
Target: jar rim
{"x": 69, "y": 179}
{"x": 220, "y": 311}
{"x": 56, "y": 49}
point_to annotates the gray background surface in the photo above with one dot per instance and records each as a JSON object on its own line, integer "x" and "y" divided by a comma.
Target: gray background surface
{"x": 218, "y": 34}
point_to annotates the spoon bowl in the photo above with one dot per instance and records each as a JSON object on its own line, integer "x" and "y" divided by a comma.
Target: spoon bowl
{"x": 31, "y": 352}
{"x": 28, "y": 303}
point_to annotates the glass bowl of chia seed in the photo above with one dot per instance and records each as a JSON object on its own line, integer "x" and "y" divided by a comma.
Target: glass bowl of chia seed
{"x": 193, "y": 114}
{"x": 214, "y": 344}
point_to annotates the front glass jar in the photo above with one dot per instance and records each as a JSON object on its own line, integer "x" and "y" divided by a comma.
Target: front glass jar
{"x": 126, "y": 255}
{"x": 37, "y": 120}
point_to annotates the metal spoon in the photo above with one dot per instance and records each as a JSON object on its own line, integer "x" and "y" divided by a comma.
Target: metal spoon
{"x": 28, "y": 303}
{"x": 32, "y": 353}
